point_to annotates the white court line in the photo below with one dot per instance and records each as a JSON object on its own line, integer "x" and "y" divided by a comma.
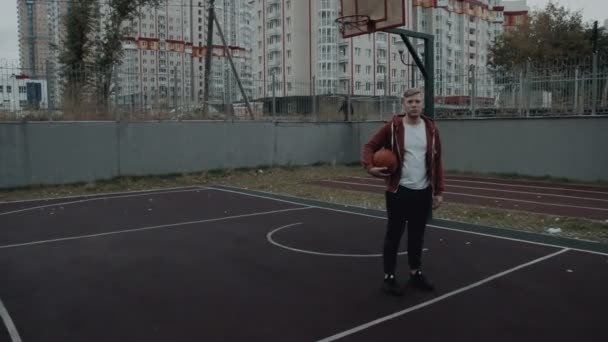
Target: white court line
{"x": 99, "y": 199}
{"x": 10, "y": 325}
{"x": 271, "y": 240}
{"x": 533, "y": 185}
{"x": 97, "y": 194}
{"x": 449, "y": 180}
{"x": 438, "y": 299}
{"x": 479, "y": 196}
{"x": 430, "y": 225}
{"x": 150, "y": 228}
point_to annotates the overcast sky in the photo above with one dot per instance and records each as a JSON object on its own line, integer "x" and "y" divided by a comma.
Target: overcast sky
{"x": 9, "y": 49}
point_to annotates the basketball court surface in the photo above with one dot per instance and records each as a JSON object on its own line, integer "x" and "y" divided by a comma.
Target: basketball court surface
{"x": 225, "y": 264}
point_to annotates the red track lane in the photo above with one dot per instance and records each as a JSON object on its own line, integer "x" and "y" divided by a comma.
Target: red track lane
{"x": 530, "y": 183}
{"x": 553, "y": 199}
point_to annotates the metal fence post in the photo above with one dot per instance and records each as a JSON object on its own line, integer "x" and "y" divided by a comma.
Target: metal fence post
{"x": 349, "y": 111}
{"x": 473, "y": 83}
{"x": 314, "y": 99}
{"x": 274, "y": 98}
{"x": 594, "y": 85}
{"x": 576, "y": 76}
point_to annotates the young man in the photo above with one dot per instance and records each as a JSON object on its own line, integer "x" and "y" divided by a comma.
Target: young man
{"x": 412, "y": 190}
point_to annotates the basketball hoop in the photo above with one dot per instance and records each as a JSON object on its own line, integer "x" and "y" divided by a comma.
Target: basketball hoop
{"x": 362, "y": 23}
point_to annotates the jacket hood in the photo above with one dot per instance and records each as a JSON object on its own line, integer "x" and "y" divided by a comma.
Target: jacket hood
{"x": 398, "y": 117}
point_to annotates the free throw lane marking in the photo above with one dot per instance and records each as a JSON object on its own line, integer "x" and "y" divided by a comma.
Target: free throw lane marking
{"x": 149, "y": 228}
{"x": 99, "y": 194}
{"x": 99, "y": 199}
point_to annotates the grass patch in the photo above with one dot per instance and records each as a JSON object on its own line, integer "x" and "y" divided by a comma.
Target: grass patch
{"x": 291, "y": 180}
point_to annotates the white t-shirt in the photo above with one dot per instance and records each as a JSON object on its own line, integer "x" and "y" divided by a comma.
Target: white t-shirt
{"x": 413, "y": 173}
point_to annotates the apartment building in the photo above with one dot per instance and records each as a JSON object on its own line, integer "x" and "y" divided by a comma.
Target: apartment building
{"x": 164, "y": 56}
{"x": 516, "y": 14}
{"x": 298, "y": 44}
{"x": 464, "y": 30}
{"x": 34, "y": 43}
{"x": 40, "y": 30}
{"x": 157, "y": 57}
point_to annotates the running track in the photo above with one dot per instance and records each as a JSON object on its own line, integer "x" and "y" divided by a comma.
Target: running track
{"x": 590, "y": 202}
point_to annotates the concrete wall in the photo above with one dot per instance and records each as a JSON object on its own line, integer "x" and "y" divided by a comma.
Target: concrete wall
{"x": 573, "y": 148}
{"x": 40, "y": 153}
{"x": 67, "y": 152}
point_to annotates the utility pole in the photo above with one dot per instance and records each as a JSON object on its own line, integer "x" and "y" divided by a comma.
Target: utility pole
{"x": 236, "y": 74}
{"x": 209, "y": 49}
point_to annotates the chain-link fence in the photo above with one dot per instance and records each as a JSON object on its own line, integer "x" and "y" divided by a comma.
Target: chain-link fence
{"x": 564, "y": 87}
{"x": 176, "y": 92}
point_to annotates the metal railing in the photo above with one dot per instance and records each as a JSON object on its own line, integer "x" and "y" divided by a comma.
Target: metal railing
{"x": 172, "y": 92}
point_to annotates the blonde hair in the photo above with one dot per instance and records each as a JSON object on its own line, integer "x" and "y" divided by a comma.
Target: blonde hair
{"x": 411, "y": 92}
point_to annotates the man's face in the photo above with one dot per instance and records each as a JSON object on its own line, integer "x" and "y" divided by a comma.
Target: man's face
{"x": 413, "y": 105}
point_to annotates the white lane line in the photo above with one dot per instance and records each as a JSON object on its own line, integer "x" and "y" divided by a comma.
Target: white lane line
{"x": 479, "y": 196}
{"x": 9, "y": 324}
{"x": 272, "y": 241}
{"x": 99, "y": 199}
{"x": 149, "y": 228}
{"x": 430, "y": 225}
{"x": 542, "y": 194}
{"x": 97, "y": 194}
{"x": 438, "y": 299}
{"x": 449, "y": 180}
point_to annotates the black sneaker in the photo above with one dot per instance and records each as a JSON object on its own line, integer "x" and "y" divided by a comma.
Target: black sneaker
{"x": 392, "y": 287}
{"x": 417, "y": 280}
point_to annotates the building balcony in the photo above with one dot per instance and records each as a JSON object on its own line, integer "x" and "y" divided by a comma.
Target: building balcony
{"x": 275, "y": 31}
{"x": 276, "y": 62}
{"x": 275, "y": 47}
{"x": 344, "y": 75}
{"x": 276, "y": 14}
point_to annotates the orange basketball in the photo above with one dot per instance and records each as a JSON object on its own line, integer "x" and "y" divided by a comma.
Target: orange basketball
{"x": 385, "y": 158}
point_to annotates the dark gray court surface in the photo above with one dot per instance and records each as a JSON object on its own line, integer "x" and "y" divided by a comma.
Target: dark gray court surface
{"x": 219, "y": 264}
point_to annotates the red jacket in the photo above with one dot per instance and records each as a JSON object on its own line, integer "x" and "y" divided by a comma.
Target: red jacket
{"x": 391, "y": 136}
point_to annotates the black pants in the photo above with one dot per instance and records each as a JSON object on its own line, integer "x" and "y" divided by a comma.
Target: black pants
{"x": 406, "y": 206}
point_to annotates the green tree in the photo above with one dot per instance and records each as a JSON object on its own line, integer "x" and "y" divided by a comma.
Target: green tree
{"x": 92, "y": 47}
{"x": 550, "y": 34}
{"x": 76, "y": 48}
